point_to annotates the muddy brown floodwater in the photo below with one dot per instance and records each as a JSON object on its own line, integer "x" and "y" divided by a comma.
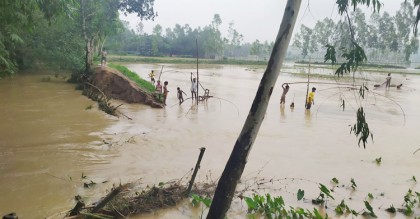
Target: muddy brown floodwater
{"x": 48, "y": 140}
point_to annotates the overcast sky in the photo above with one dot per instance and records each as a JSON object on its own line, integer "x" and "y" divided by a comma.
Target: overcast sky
{"x": 254, "y": 19}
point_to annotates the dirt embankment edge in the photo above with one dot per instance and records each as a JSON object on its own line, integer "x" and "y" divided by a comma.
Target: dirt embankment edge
{"x": 118, "y": 86}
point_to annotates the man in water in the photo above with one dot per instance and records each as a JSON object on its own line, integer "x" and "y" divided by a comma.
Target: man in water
{"x": 388, "y": 81}
{"x": 283, "y": 95}
{"x": 311, "y": 99}
{"x": 193, "y": 87}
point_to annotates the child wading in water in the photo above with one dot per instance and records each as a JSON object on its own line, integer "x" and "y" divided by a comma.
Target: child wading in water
{"x": 283, "y": 95}
{"x": 158, "y": 90}
{"x": 165, "y": 92}
{"x": 179, "y": 95}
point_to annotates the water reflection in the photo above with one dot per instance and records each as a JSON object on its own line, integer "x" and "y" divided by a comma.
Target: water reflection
{"x": 308, "y": 116}
{"x": 180, "y": 111}
{"x": 282, "y": 114}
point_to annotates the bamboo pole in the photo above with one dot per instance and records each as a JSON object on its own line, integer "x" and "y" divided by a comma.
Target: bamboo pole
{"x": 196, "y": 46}
{"x": 197, "y": 166}
{"x": 317, "y": 82}
{"x": 161, "y": 70}
{"x": 307, "y": 87}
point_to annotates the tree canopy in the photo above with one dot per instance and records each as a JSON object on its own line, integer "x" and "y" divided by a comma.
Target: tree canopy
{"x": 59, "y": 32}
{"x": 384, "y": 37}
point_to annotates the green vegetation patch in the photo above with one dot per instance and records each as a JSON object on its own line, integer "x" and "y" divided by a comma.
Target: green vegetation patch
{"x": 181, "y": 60}
{"x": 146, "y": 85}
{"x": 372, "y": 65}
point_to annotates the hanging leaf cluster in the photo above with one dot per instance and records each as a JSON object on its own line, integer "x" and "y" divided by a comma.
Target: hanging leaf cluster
{"x": 344, "y": 4}
{"x": 362, "y": 90}
{"x": 330, "y": 55}
{"x": 416, "y": 22}
{"x": 361, "y": 128}
{"x": 354, "y": 57}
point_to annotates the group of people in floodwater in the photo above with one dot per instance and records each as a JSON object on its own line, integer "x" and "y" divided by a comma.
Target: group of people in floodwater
{"x": 311, "y": 95}
{"x": 309, "y": 102}
{"x": 163, "y": 91}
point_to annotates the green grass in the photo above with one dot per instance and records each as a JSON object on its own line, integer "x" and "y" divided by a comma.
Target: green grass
{"x": 180, "y": 60}
{"x": 146, "y": 85}
{"x": 371, "y": 65}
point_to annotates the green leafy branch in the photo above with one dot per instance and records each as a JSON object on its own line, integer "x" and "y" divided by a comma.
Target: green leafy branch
{"x": 274, "y": 207}
{"x": 361, "y": 128}
{"x": 196, "y": 200}
{"x": 354, "y": 57}
{"x": 343, "y": 208}
{"x": 323, "y": 195}
{"x": 416, "y": 22}
{"x": 344, "y": 4}
{"x": 370, "y": 211}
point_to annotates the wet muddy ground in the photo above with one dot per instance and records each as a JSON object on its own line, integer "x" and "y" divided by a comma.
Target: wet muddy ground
{"x": 49, "y": 140}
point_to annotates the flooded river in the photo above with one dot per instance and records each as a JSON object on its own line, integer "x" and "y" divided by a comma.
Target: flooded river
{"x": 49, "y": 140}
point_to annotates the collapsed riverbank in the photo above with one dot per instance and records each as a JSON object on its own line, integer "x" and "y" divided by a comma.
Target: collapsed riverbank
{"x": 116, "y": 85}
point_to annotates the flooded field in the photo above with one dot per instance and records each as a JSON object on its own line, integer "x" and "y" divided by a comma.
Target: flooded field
{"x": 49, "y": 140}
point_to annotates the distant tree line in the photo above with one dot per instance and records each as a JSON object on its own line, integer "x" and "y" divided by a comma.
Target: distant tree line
{"x": 181, "y": 41}
{"x": 384, "y": 37}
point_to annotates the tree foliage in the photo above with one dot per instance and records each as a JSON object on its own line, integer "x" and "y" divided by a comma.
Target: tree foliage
{"x": 384, "y": 37}
{"x": 180, "y": 41}
{"x": 59, "y": 31}
{"x": 98, "y": 19}
{"x": 17, "y": 18}
{"x": 306, "y": 41}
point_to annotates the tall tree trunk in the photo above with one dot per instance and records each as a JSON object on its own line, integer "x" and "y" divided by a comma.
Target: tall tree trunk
{"x": 89, "y": 55}
{"x": 233, "y": 170}
{"x": 88, "y": 40}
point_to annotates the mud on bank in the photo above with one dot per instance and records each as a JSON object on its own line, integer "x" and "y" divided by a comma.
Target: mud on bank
{"x": 118, "y": 86}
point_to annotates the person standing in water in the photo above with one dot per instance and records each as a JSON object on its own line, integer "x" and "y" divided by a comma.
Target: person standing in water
{"x": 179, "y": 95}
{"x": 283, "y": 95}
{"x": 388, "y": 81}
{"x": 158, "y": 90}
{"x": 193, "y": 87}
{"x": 165, "y": 92}
{"x": 311, "y": 99}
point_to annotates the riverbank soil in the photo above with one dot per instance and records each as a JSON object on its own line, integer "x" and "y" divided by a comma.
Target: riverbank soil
{"x": 118, "y": 86}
